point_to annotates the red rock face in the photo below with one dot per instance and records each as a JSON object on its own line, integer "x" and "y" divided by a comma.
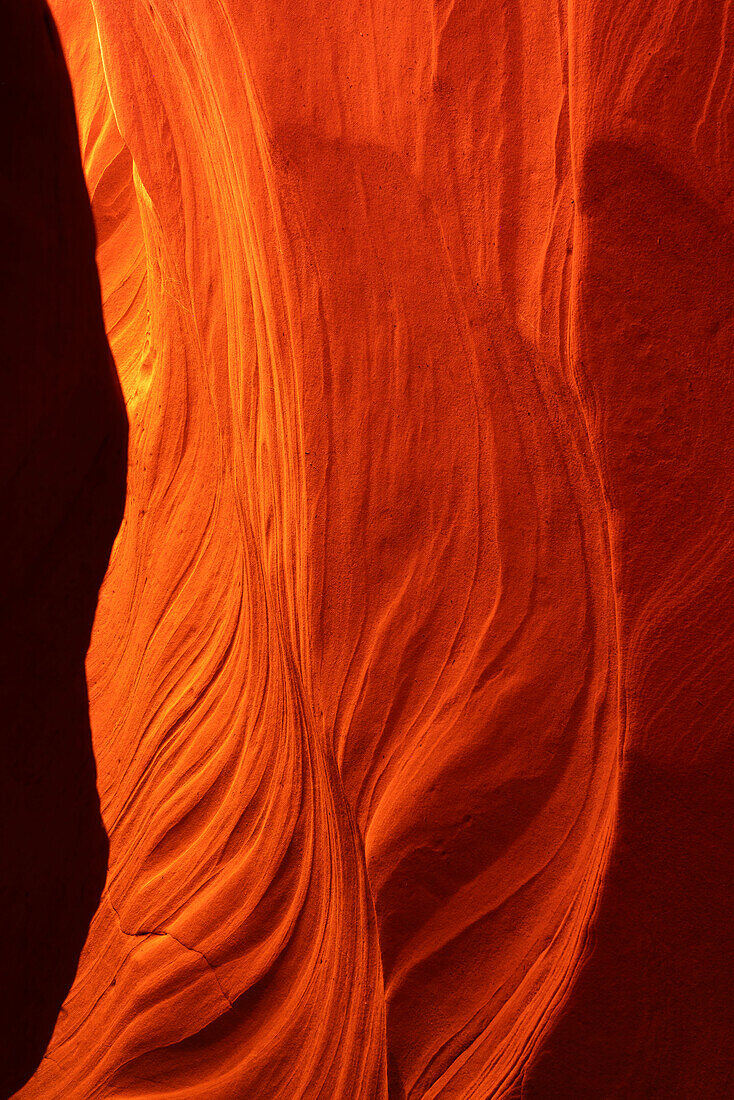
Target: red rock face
{"x": 411, "y": 674}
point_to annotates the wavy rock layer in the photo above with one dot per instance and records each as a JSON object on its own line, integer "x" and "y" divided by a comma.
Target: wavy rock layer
{"x": 422, "y": 316}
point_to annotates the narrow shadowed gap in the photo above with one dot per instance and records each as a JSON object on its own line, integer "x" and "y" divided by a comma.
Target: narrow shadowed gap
{"x": 63, "y": 443}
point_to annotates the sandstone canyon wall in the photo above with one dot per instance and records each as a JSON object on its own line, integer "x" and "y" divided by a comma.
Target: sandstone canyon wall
{"x": 410, "y": 682}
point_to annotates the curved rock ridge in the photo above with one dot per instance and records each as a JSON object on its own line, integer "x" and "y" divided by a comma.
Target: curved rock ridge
{"x": 423, "y": 323}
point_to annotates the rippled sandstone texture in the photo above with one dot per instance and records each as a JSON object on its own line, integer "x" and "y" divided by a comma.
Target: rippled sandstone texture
{"x": 411, "y": 677}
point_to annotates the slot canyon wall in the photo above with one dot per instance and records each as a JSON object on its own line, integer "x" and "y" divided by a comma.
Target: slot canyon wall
{"x": 410, "y": 682}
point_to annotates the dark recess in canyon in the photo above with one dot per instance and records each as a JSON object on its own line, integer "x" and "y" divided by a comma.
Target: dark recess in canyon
{"x": 62, "y": 484}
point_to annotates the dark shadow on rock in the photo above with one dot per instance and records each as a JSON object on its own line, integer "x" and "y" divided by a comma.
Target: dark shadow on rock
{"x": 63, "y": 452}
{"x": 649, "y": 1017}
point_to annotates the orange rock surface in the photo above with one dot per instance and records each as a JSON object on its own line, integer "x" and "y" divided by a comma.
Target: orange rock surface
{"x": 411, "y": 677}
